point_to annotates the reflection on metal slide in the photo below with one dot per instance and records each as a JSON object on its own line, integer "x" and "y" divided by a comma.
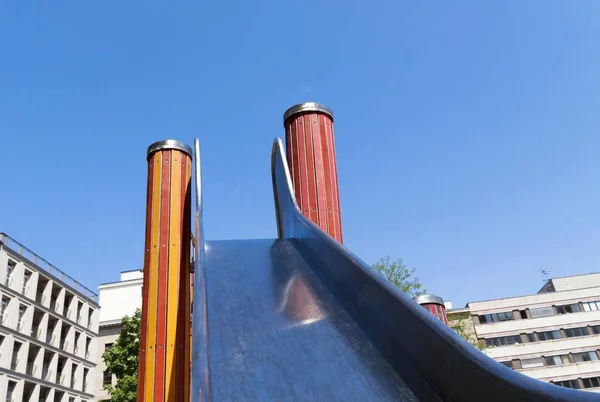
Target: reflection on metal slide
{"x": 300, "y": 318}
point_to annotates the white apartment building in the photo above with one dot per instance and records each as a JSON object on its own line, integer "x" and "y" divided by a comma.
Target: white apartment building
{"x": 48, "y": 330}
{"x": 117, "y": 299}
{"x": 553, "y": 335}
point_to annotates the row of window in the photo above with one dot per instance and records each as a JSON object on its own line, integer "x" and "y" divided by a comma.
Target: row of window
{"x": 31, "y": 354}
{"x": 579, "y": 383}
{"x": 555, "y": 360}
{"x": 40, "y": 298}
{"x": 539, "y": 312}
{"x": 52, "y": 322}
{"x": 543, "y": 336}
{"x": 44, "y": 392}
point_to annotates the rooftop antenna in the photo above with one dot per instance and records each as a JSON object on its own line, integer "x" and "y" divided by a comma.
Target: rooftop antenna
{"x": 545, "y": 274}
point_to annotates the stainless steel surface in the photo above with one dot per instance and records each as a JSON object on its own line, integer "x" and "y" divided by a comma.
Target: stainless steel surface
{"x": 168, "y": 144}
{"x": 306, "y": 107}
{"x": 424, "y": 299}
{"x": 278, "y": 334}
{"x": 201, "y": 380}
{"x": 432, "y": 358}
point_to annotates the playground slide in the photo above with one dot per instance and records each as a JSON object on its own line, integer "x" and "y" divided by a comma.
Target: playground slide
{"x": 300, "y": 318}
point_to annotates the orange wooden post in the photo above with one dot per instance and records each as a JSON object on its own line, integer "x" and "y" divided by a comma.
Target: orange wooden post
{"x": 310, "y": 148}
{"x": 164, "y": 361}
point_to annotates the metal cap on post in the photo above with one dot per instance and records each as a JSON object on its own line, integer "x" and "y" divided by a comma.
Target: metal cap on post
{"x": 310, "y": 149}
{"x": 164, "y": 359}
{"x": 435, "y": 305}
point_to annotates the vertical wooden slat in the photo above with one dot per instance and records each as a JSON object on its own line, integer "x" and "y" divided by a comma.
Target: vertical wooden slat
{"x": 173, "y": 279}
{"x": 309, "y": 161}
{"x": 331, "y": 228}
{"x": 317, "y": 134}
{"x": 145, "y": 283}
{"x": 163, "y": 259}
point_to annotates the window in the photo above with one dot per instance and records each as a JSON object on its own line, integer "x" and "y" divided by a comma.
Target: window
{"x": 585, "y": 357}
{"x": 22, "y": 309}
{"x": 531, "y": 363}
{"x": 574, "y": 332}
{"x": 108, "y": 346}
{"x": 507, "y": 363}
{"x": 531, "y": 337}
{"x": 567, "y": 309}
{"x": 496, "y": 317}
{"x": 106, "y": 378}
{"x": 5, "y": 301}
{"x": 10, "y": 267}
{"x": 523, "y": 314}
{"x": 591, "y": 306}
{"x": 557, "y": 360}
{"x": 568, "y": 383}
{"x": 548, "y": 335}
{"x": 541, "y": 312}
{"x": 593, "y": 382}
{"x": 595, "y": 329}
{"x": 503, "y": 340}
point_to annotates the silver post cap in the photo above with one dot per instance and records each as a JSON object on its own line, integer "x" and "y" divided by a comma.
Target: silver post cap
{"x": 168, "y": 144}
{"x": 306, "y": 107}
{"x": 426, "y": 299}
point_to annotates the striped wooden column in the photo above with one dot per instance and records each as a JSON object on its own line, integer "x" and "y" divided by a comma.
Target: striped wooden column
{"x": 310, "y": 148}
{"x": 435, "y": 305}
{"x": 164, "y": 361}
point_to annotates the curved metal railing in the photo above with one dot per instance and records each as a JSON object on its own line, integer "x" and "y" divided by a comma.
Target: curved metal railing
{"x": 201, "y": 385}
{"x": 445, "y": 366}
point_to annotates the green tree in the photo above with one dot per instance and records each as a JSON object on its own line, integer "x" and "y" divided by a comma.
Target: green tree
{"x": 122, "y": 360}
{"x": 400, "y": 275}
{"x": 460, "y": 324}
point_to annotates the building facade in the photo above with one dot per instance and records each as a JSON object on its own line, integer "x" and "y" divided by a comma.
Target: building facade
{"x": 117, "y": 299}
{"x": 553, "y": 335}
{"x": 48, "y": 330}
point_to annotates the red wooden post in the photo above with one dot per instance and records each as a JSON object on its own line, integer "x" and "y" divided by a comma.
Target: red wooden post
{"x": 435, "y": 305}
{"x": 164, "y": 340}
{"x": 310, "y": 148}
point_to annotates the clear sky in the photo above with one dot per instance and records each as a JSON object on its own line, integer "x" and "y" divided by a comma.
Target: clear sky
{"x": 467, "y": 134}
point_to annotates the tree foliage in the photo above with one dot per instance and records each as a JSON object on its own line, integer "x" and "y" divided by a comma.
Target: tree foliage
{"x": 122, "y": 360}
{"x": 460, "y": 325}
{"x": 400, "y": 275}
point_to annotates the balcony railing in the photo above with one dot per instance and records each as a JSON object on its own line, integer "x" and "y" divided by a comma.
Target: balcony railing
{"x": 36, "y": 331}
{"x": 54, "y": 306}
{"x": 14, "y": 363}
{"x": 46, "y": 374}
{"x": 46, "y": 266}
{"x": 20, "y": 325}
{"x": 50, "y": 338}
{"x": 8, "y": 281}
{"x": 25, "y": 289}
{"x": 63, "y": 343}
{"x": 67, "y": 313}
{"x": 79, "y": 317}
{"x": 40, "y": 298}
{"x": 60, "y": 378}
{"x": 3, "y": 318}
{"x": 31, "y": 369}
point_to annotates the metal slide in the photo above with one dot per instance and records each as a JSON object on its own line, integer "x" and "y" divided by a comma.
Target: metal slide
{"x": 300, "y": 318}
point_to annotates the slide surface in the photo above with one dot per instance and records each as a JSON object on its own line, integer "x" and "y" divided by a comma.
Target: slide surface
{"x": 301, "y": 318}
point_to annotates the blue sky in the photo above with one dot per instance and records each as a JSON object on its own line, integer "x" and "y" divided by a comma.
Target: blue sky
{"x": 467, "y": 134}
